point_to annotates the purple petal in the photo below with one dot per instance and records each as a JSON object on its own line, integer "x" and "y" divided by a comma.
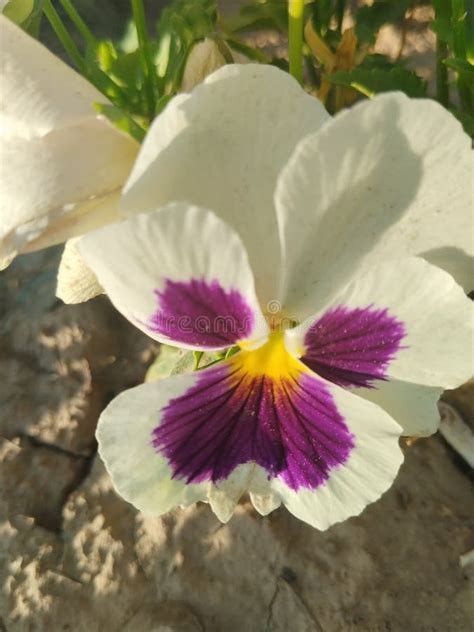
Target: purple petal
{"x": 290, "y": 426}
{"x": 202, "y": 314}
{"x": 353, "y": 347}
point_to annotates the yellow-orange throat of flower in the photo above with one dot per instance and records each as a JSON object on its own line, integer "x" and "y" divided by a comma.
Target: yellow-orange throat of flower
{"x": 271, "y": 360}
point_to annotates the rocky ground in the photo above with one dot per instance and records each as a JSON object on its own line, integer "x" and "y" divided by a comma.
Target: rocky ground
{"x": 76, "y": 557}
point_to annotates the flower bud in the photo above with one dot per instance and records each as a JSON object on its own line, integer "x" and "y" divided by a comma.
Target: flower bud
{"x": 205, "y": 57}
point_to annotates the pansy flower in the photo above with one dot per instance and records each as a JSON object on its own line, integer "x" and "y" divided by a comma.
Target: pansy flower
{"x": 290, "y": 242}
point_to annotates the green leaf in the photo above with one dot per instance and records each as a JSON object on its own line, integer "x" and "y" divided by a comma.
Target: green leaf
{"x": 321, "y": 14}
{"x": 258, "y": 15}
{"x": 105, "y": 54}
{"x": 380, "y": 62}
{"x": 118, "y": 75}
{"x": 370, "y": 82}
{"x": 469, "y": 23}
{"x": 127, "y": 71}
{"x": 232, "y": 351}
{"x": 167, "y": 361}
{"x": 442, "y": 9}
{"x": 458, "y": 20}
{"x": 369, "y": 19}
{"x": 461, "y": 25}
{"x": 462, "y": 67}
{"x": 121, "y": 120}
{"x": 81, "y": 26}
{"x": 25, "y": 13}
{"x": 151, "y": 91}
{"x": 19, "y": 11}
{"x": 466, "y": 120}
{"x": 442, "y": 27}
{"x": 251, "y": 53}
{"x": 129, "y": 40}
{"x": 175, "y": 361}
{"x": 197, "y": 355}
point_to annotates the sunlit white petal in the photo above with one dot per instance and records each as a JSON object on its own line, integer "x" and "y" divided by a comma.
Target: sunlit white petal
{"x": 139, "y": 473}
{"x": 425, "y": 322}
{"x": 222, "y": 148}
{"x": 58, "y": 154}
{"x": 369, "y": 471}
{"x": 180, "y": 274}
{"x": 387, "y": 178}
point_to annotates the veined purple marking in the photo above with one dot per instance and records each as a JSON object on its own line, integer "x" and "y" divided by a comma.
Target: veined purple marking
{"x": 290, "y": 427}
{"x": 353, "y": 346}
{"x": 202, "y": 313}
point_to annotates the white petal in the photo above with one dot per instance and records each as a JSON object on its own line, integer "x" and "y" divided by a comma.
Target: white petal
{"x": 180, "y": 274}
{"x": 428, "y": 306}
{"x": 262, "y": 497}
{"x": 222, "y": 147}
{"x": 159, "y": 440}
{"x": 43, "y": 92}
{"x": 143, "y": 477}
{"x": 224, "y": 495}
{"x": 51, "y": 185}
{"x": 369, "y": 471}
{"x": 413, "y": 406}
{"x": 57, "y": 152}
{"x": 389, "y": 177}
{"x": 265, "y": 503}
{"x": 48, "y": 230}
{"x": 139, "y": 473}
{"x": 76, "y": 282}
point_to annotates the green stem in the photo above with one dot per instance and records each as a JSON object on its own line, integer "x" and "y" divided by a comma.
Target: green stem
{"x": 464, "y": 95}
{"x": 232, "y": 351}
{"x": 458, "y": 21}
{"x": 197, "y": 359}
{"x": 206, "y": 366}
{"x": 64, "y": 36}
{"x": 340, "y": 10}
{"x": 79, "y": 23}
{"x": 148, "y": 67}
{"x": 295, "y": 38}
{"x": 442, "y": 86}
{"x": 101, "y": 81}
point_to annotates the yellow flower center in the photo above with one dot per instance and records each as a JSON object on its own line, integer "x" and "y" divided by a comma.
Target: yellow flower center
{"x": 271, "y": 359}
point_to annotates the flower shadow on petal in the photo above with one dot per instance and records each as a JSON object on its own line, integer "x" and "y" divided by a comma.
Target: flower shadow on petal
{"x": 361, "y": 189}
